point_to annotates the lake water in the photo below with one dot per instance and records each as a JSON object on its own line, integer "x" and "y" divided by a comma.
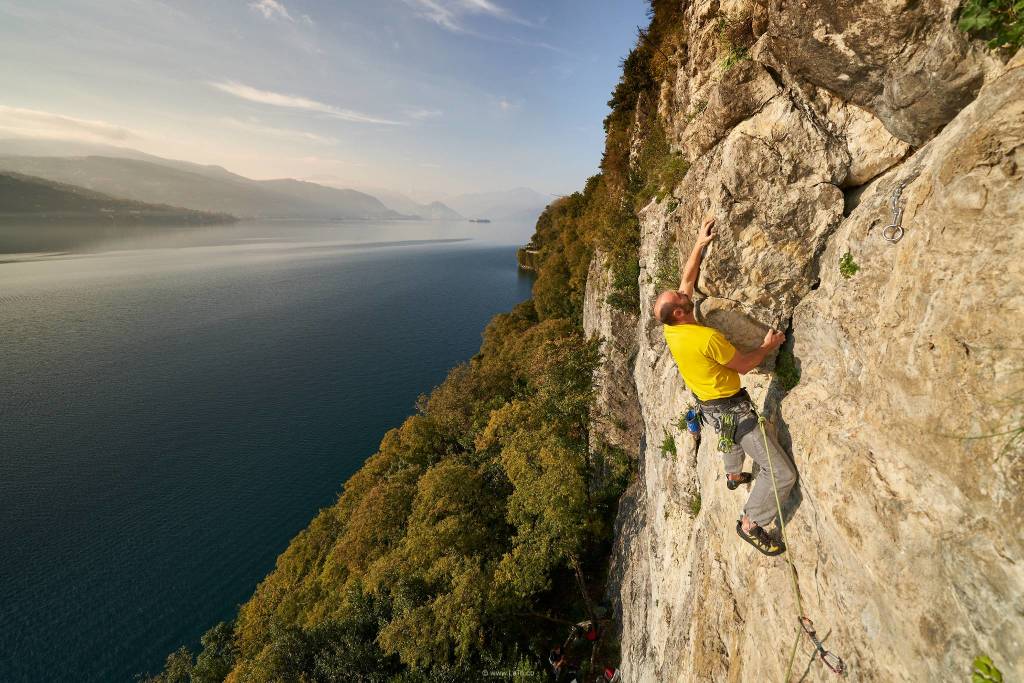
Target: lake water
{"x": 177, "y": 403}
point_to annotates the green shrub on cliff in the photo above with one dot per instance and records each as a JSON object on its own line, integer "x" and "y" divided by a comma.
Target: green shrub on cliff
{"x": 734, "y": 39}
{"x": 786, "y": 370}
{"x": 666, "y": 274}
{"x": 658, "y": 169}
{"x": 693, "y": 503}
{"x": 984, "y": 671}
{"x": 847, "y": 266}
{"x": 668, "y": 446}
{"x": 999, "y": 22}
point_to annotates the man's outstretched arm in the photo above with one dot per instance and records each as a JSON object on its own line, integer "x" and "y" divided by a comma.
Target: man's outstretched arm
{"x": 691, "y": 271}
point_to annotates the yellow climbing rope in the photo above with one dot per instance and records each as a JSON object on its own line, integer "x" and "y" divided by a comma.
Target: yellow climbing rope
{"x": 782, "y": 523}
{"x": 831, "y": 661}
{"x": 789, "y": 557}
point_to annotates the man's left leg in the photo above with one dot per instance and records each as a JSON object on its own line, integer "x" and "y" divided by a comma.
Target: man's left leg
{"x": 761, "y": 508}
{"x": 733, "y": 461}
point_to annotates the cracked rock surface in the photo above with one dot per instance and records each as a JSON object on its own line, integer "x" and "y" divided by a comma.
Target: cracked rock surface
{"x": 905, "y": 525}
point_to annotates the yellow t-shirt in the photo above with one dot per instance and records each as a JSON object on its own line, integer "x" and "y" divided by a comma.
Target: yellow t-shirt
{"x": 701, "y": 354}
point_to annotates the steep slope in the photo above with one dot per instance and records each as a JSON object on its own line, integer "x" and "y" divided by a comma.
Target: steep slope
{"x": 201, "y": 188}
{"x": 28, "y": 198}
{"x": 906, "y": 422}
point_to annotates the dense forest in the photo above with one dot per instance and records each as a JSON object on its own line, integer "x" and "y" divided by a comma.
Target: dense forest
{"x": 480, "y": 530}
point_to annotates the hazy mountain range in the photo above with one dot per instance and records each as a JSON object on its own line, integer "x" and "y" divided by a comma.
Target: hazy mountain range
{"x": 403, "y": 204}
{"x": 201, "y": 188}
{"x": 136, "y": 176}
{"x": 518, "y": 204}
{"x": 25, "y": 196}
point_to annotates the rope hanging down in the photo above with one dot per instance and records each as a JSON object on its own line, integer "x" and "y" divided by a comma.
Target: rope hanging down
{"x": 831, "y": 660}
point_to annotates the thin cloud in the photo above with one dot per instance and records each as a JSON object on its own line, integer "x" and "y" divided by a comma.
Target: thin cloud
{"x": 271, "y": 9}
{"x": 448, "y": 14}
{"x": 507, "y": 105}
{"x": 251, "y": 94}
{"x": 44, "y": 124}
{"x": 422, "y": 114}
{"x": 260, "y": 129}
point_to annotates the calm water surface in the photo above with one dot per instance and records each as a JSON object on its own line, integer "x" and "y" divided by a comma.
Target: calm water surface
{"x": 177, "y": 403}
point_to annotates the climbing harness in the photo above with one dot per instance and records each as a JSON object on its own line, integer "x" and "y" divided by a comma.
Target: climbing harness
{"x": 832, "y": 661}
{"x": 893, "y": 232}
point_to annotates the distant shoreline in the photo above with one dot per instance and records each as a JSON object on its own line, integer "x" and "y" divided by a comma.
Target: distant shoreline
{"x": 155, "y": 218}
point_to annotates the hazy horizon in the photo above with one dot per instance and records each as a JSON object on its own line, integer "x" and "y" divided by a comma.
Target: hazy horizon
{"x": 428, "y": 98}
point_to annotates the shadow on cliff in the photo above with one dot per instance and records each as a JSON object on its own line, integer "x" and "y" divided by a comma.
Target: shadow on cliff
{"x": 629, "y": 523}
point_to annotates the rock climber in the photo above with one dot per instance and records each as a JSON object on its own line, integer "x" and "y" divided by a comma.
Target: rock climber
{"x": 711, "y": 368}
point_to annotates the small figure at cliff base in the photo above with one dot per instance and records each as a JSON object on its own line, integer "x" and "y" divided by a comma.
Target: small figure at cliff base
{"x": 711, "y": 368}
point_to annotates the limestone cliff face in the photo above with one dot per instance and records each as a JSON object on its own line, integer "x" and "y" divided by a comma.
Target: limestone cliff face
{"x": 905, "y": 529}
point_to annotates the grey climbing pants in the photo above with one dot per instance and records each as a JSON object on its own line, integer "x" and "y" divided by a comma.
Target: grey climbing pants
{"x": 760, "y": 505}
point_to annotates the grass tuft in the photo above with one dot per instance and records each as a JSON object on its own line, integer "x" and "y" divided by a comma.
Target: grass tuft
{"x": 734, "y": 39}
{"x": 666, "y": 275}
{"x": 847, "y": 266}
{"x": 786, "y": 370}
{"x": 668, "y": 446}
{"x": 698, "y": 109}
{"x": 693, "y": 504}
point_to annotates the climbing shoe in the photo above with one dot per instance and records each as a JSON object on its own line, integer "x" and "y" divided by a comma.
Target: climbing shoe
{"x": 734, "y": 484}
{"x": 760, "y": 539}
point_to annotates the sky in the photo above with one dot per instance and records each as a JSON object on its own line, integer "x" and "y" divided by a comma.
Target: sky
{"x": 426, "y": 97}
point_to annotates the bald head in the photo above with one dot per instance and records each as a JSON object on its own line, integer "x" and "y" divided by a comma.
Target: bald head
{"x": 673, "y": 308}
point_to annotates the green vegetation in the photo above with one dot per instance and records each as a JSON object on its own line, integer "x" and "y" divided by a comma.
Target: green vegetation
{"x": 668, "y": 446}
{"x": 624, "y": 184}
{"x": 734, "y": 56}
{"x": 999, "y": 22}
{"x": 984, "y": 671}
{"x": 847, "y": 266}
{"x": 734, "y": 39}
{"x": 483, "y": 524}
{"x": 666, "y": 275}
{"x": 786, "y": 370}
{"x": 698, "y": 108}
{"x": 482, "y": 518}
{"x": 693, "y": 504}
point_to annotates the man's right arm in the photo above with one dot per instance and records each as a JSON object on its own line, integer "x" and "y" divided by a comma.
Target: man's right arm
{"x": 691, "y": 271}
{"x": 745, "y": 362}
